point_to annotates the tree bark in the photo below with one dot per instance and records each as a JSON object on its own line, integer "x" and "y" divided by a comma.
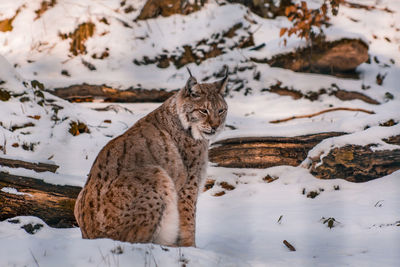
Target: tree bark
{"x": 87, "y": 93}
{"x": 339, "y": 58}
{"x": 54, "y": 204}
{"x": 264, "y": 152}
{"x": 356, "y": 163}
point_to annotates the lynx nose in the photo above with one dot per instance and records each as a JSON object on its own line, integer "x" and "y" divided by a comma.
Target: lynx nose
{"x": 213, "y": 130}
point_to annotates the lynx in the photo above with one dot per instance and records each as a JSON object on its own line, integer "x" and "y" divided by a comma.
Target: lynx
{"x": 143, "y": 185}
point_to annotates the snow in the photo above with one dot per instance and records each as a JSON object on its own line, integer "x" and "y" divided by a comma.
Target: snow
{"x": 241, "y": 227}
{"x": 14, "y": 191}
{"x": 250, "y": 214}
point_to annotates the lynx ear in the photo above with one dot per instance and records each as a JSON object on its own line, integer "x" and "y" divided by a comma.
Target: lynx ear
{"x": 221, "y": 84}
{"x": 190, "y": 83}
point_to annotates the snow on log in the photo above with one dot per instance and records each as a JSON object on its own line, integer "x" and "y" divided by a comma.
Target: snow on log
{"x": 36, "y": 166}
{"x": 24, "y": 196}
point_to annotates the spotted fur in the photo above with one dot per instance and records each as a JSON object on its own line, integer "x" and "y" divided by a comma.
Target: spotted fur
{"x": 143, "y": 185}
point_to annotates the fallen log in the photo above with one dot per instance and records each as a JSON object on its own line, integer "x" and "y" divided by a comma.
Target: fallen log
{"x": 36, "y": 166}
{"x": 264, "y": 152}
{"x": 25, "y": 196}
{"x": 339, "y": 58}
{"x": 88, "y": 92}
{"x": 356, "y": 163}
{"x": 54, "y": 204}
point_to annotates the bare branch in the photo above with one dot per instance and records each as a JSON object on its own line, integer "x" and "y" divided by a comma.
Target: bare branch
{"x": 322, "y": 112}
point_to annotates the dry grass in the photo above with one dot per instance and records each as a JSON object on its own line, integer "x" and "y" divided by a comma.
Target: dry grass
{"x": 79, "y": 37}
{"x": 45, "y": 5}
{"x": 6, "y": 24}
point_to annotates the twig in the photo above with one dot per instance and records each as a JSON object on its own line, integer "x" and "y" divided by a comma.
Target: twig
{"x": 5, "y": 145}
{"x": 289, "y": 246}
{"x": 152, "y": 255}
{"x": 33, "y": 256}
{"x": 321, "y": 112}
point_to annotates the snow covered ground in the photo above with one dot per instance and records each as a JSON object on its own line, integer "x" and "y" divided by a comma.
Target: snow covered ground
{"x": 242, "y": 228}
{"x": 247, "y": 225}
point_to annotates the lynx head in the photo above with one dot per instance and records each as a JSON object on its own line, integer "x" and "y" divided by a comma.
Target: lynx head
{"x": 201, "y": 107}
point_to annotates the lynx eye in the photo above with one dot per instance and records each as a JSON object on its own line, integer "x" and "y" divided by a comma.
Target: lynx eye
{"x": 221, "y": 111}
{"x": 194, "y": 95}
{"x": 203, "y": 111}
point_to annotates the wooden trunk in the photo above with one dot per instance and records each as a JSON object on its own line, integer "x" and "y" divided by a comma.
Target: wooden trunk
{"x": 264, "y": 152}
{"x": 54, "y": 204}
{"x": 356, "y": 163}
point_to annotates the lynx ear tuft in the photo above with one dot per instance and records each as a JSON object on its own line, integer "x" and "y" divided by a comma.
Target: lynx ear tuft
{"x": 221, "y": 84}
{"x": 190, "y": 83}
{"x": 190, "y": 73}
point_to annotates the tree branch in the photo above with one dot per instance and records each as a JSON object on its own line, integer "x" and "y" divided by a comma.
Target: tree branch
{"x": 322, "y": 112}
